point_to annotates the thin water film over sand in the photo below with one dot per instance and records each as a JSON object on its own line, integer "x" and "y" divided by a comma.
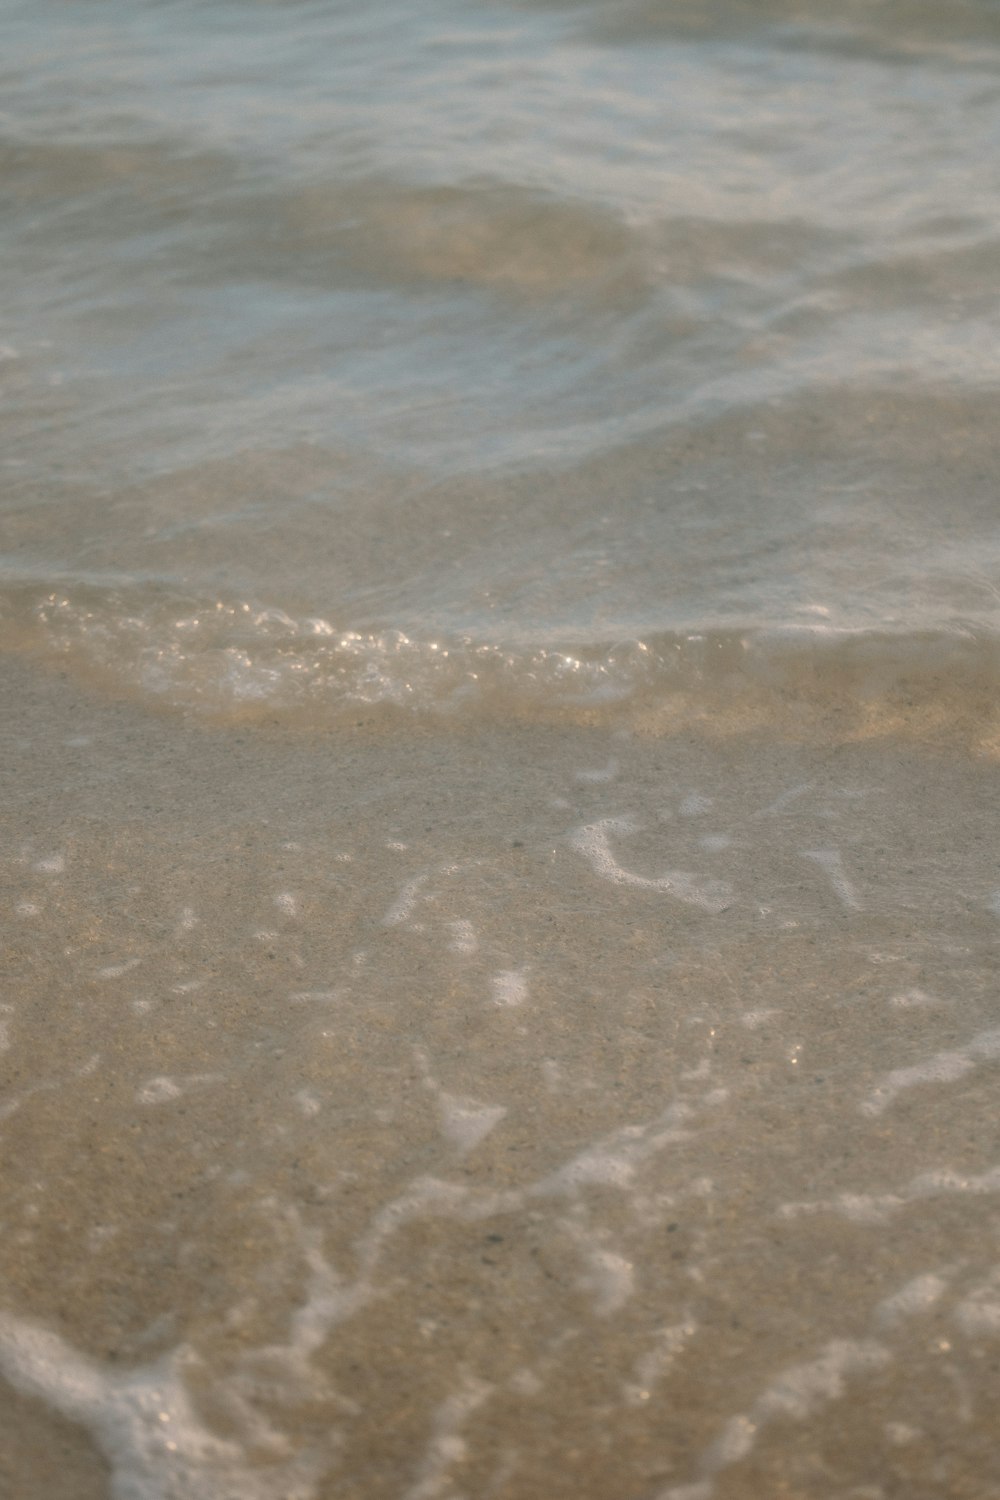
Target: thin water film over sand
{"x": 555, "y": 1113}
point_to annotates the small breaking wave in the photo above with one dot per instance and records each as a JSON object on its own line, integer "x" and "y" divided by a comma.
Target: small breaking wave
{"x": 231, "y": 660}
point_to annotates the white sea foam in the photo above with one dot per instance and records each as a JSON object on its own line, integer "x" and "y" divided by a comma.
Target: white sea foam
{"x": 917, "y": 1296}
{"x": 510, "y": 987}
{"x": 831, "y": 861}
{"x": 463, "y": 937}
{"x": 942, "y": 1067}
{"x": 978, "y": 1313}
{"x": 915, "y": 999}
{"x": 593, "y": 841}
{"x": 116, "y": 971}
{"x": 751, "y": 1019}
{"x": 446, "y": 1445}
{"x": 609, "y": 1278}
{"x": 600, "y": 774}
{"x": 877, "y": 1208}
{"x": 465, "y": 1122}
{"x": 404, "y": 904}
{"x": 144, "y": 1423}
{"x": 658, "y": 1361}
{"x": 163, "y": 1090}
{"x": 796, "y": 1394}
{"x": 615, "y": 1160}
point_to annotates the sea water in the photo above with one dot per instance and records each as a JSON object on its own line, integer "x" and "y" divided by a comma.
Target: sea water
{"x": 499, "y": 654}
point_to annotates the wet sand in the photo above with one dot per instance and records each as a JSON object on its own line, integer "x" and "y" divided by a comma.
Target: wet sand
{"x": 542, "y": 1112}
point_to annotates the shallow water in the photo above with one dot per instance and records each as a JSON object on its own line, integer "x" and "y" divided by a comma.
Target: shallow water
{"x": 528, "y": 1111}
{"x": 499, "y": 648}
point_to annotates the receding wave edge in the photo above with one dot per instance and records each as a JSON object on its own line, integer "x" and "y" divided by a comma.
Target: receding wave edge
{"x": 230, "y": 660}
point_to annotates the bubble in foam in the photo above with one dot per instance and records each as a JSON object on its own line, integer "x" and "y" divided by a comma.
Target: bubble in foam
{"x": 917, "y": 1296}
{"x": 162, "y": 1090}
{"x": 751, "y": 1019}
{"x": 831, "y": 862}
{"x": 599, "y": 774}
{"x": 510, "y": 987}
{"x": 158, "y": 1091}
{"x": 609, "y": 1278}
{"x": 465, "y": 1122}
{"x": 913, "y": 1000}
{"x": 978, "y": 1318}
{"x": 901, "y": 1433}
{"x": 115, "y": 971}
{"x": 657, "y": 1362}
{"x": 463, "y": 937}
{"x": 404, "y": 903}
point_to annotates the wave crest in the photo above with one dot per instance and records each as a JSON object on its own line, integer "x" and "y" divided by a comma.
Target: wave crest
{"x": 231, "y": 660}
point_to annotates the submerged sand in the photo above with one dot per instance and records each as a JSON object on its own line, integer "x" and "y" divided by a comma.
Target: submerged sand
{"x": 532, "y": 1112}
